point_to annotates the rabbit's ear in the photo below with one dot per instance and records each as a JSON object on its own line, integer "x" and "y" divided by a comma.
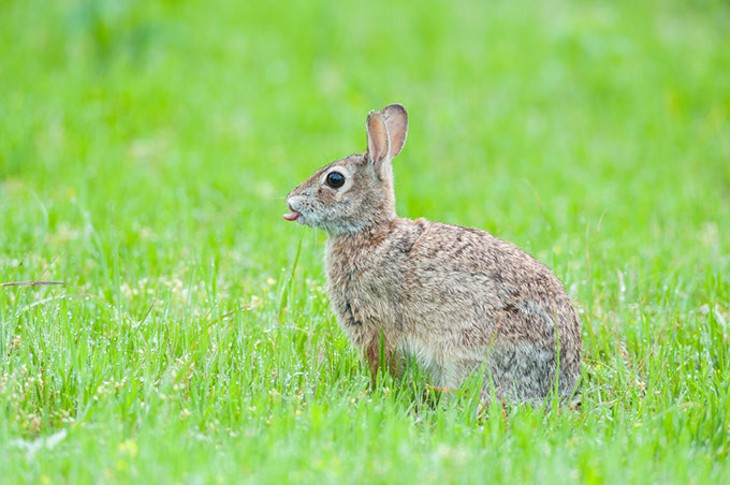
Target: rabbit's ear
{"x": 378, "y": 140}
{"x": 396, "y": 122}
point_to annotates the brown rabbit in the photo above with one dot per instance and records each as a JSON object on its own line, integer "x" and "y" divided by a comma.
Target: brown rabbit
{"x": 454, "y": 299}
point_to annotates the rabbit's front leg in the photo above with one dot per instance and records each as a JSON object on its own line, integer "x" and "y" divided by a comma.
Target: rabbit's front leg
{"x": 381, "y": 355}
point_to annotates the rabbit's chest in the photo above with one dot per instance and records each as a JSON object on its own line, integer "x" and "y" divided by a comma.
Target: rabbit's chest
{"x": 363, "y": 292}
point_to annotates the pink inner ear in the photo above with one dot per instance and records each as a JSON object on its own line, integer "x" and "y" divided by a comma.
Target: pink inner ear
{"x": 396, "y": 124}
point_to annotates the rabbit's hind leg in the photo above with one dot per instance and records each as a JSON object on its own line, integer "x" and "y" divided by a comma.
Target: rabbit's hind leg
{"x": 521, "y": 372}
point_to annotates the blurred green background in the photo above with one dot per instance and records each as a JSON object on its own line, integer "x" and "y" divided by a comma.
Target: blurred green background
{"x": 146, "y": 149}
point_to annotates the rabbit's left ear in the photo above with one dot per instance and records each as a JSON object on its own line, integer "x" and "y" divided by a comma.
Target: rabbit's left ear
{"x": 396, "y": 122}
{"x": 378, "y": 140}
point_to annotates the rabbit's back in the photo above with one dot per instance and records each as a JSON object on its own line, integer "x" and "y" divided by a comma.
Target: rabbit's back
{"x": 455, "y": 298}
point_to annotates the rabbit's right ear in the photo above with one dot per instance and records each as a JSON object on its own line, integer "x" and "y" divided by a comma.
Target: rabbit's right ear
{"x": 378, "y": 140}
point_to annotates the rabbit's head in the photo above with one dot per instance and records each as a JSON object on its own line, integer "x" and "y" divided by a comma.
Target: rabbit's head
{"x": 355, "y": 193}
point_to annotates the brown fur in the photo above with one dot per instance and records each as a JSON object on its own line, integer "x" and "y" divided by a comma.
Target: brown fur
{"x": 455, "y": 299}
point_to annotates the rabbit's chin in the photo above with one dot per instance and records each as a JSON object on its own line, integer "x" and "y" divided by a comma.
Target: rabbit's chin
{"x": 302, "y": 219}
{"x": 333, "y": 227}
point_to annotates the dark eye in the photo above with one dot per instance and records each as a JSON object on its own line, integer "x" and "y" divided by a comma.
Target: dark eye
{"x": 335, "y": 180}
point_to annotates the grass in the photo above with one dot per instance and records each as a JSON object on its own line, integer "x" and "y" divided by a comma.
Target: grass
{"x": 145, "y": 152}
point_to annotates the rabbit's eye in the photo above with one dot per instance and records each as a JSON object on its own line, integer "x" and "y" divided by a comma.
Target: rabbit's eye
{"x": 335, "y": 180}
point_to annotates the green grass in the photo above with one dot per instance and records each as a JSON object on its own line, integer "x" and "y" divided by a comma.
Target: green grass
{"x": 146, "y": 149}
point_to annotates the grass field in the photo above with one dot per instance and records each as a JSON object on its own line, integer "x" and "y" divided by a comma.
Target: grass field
{"x": 146, "y": 149}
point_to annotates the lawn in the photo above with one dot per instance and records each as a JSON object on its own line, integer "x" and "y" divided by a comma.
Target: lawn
{"x": 146, "y": 149}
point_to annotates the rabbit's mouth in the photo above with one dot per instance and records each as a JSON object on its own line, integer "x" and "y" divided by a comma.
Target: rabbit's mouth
{"x": 292, "y": 205}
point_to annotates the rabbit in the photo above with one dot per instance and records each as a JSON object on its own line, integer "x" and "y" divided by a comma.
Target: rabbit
{"x": 456, "y": 300}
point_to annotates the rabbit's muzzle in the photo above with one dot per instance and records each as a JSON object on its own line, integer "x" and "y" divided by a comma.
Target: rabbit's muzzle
{"x": 298, "y": 208}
